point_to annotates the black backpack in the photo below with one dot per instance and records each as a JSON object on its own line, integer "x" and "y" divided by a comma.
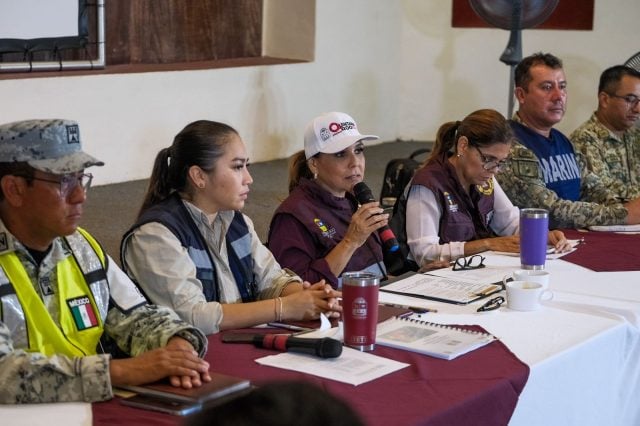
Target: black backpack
{"x": 397, "y": 176}
{"x": 397, "y": 262}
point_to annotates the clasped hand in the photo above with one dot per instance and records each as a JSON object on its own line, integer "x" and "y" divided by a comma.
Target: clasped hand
{"x": 325, "y": 299}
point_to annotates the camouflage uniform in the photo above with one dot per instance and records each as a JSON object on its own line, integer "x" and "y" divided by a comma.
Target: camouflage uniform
{"x": 32, "y": 377}
{"x": 522, "y": 180}
{"x": 615, "y": 160}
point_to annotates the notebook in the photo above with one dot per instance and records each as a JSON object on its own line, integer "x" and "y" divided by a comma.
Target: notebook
{"x": 219, "y": 386}
{"x": 437, "y": 340}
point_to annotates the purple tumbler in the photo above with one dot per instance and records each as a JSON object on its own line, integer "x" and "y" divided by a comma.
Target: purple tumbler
{"x": 534, "y": 231}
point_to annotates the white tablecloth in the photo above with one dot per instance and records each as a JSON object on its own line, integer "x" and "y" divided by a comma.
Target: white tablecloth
{"x": 583, "y": 347}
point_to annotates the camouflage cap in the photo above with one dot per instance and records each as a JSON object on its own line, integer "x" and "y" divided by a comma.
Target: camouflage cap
{"x": 52, "y": 146}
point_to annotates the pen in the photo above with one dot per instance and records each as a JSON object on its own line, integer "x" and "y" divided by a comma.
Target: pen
{"x": 487, "y": 290}
{"x": 415, "y": 309}
{"x": 288, "y": 326}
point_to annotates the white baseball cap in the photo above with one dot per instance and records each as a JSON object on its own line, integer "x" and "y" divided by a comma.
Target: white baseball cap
{"x": 332, "y": 132}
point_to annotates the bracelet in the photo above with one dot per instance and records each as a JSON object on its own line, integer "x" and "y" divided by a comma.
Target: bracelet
{"x": 279, "y": 312}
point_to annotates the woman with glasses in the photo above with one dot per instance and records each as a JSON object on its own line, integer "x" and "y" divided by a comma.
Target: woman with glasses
{"x": 193, "y": 250}
{"x": 455, "y": 207}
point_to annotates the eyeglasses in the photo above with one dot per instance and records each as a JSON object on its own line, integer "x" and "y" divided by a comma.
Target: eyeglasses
{"x": 631, "y": 100}
{"x": 68, "y": 183}
{"x": 489, "y": 164}
{"x": 492, "y": 304}
{"x": 467, "y": 263}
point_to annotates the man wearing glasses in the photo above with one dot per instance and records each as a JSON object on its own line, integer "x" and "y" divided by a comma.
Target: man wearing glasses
{"x": 544, "y": 171}
{"x": 65, "y": 305}
{"x": 609, "y": 140}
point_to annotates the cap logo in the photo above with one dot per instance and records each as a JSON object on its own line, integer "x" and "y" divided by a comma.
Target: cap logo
{"x": 324, "y": 134}
{"x": 73, "y": 134}
{"x": 335, "y": 128}
{"x": 339, "y": 127}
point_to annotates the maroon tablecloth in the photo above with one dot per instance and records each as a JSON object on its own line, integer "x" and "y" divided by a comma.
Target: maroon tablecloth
{"x": 605, "y": 251}
{"x": 479, "y": 388}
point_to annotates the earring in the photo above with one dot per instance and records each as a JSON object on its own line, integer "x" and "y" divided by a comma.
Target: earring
{"x": 201, "y": 185}
{"x": 459, "y": 155}
{"x": 315, "y": 175}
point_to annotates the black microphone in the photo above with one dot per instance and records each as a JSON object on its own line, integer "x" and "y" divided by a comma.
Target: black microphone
{"x": 323, "y": 348}
{"x": 364, "y": 195}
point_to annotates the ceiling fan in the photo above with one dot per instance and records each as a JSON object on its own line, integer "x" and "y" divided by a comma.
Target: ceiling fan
{"x": 513, "y": 15}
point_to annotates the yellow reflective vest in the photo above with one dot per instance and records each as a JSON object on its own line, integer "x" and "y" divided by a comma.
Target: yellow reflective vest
{"x": 83, "y": 298}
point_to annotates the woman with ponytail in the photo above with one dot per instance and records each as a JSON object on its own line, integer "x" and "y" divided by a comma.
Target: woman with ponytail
{"x": 193, "y": 250}
{"x": 455, "y": 207}
{"x": 320, "y": 230}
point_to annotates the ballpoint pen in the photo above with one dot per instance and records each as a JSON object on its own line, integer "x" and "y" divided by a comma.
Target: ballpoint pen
{"x": 487, "y": 291}
{"x": 288, "y": 326}
{"x": 416, "y": 309}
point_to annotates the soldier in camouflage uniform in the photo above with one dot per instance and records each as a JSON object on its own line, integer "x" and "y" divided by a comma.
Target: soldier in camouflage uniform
{"x": 609, "y": 141}
{"x": 64, "y": 304}
{"x": 544, "y": 171}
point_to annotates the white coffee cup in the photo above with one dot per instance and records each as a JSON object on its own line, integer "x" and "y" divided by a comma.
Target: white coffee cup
{"x": 532, "y": 275}
{"x": 526, "y": 295}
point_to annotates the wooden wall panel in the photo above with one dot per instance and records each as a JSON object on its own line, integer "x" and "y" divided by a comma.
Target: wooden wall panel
{"x": 178, "y": 31}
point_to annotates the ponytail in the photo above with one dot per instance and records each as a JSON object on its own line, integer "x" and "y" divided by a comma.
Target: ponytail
{"x": 159, "y": 187}
{"x": 484, "y": 127}
{"x": 445, "y": 140}
{"x": 298, "y": 169}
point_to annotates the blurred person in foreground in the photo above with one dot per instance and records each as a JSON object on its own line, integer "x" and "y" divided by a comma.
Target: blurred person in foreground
{"x": 281, "y": 404}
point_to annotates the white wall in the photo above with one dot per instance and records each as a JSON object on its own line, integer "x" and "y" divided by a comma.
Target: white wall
{"x": 450, "y": 72}
{"x": 396, "y": 65}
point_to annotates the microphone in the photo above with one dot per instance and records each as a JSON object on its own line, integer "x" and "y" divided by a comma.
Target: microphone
{"x": 323, "y": 348}
{"x": 364, "y": 195}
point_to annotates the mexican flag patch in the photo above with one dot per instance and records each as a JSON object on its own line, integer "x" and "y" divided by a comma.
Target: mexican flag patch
{"x": 82, "y": 312}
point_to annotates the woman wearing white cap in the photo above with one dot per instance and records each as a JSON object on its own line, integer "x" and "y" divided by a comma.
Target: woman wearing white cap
{"x": 320, "y": 230}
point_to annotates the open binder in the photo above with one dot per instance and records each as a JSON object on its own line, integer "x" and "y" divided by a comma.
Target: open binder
{"x": 441, "y": 289}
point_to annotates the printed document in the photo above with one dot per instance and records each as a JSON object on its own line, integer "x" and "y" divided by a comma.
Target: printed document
{"x": 352, "y": 366}
{"x": 443, "y": 289}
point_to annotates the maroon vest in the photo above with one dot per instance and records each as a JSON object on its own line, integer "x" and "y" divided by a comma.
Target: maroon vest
{"x": 465, "y": 217}
{"x": 327, "y": 219}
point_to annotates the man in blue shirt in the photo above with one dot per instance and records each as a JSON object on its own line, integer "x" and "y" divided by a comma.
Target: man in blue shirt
{"x": 544, "y": 171}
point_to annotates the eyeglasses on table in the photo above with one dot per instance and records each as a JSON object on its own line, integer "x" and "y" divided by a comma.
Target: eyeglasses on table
{"x": 492, "y": 304}
{"x": 467, "y": 263}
